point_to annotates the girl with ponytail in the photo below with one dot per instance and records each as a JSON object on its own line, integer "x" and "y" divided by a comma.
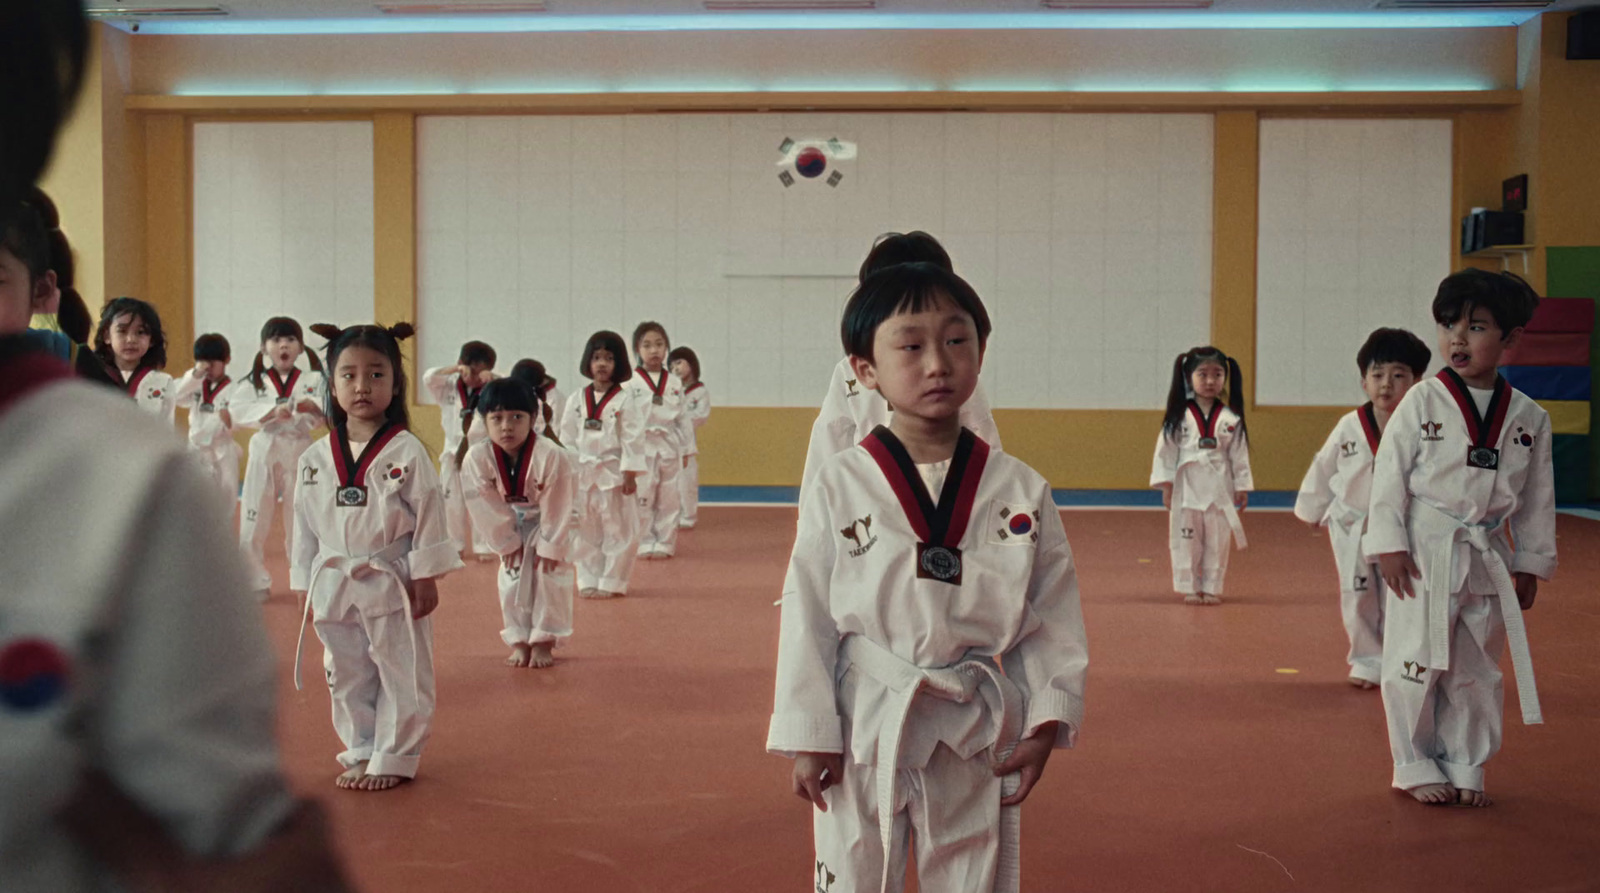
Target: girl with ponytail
{"x": 455, "y": 389}
{"x": 285, "y": 404}
{"x": 370, "y": 540}
{"x": 1202, "y": 467}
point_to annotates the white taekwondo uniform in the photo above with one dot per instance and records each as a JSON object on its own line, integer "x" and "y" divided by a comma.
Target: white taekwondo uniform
{"x": 523, "y": 503}
{"x": 1468, "y": 526}
{"x": 920, "y": 638}
{"x": 274, "y": 453}
{"x": 356, "y": 558}
{"x": 606, "y": 434}
{"x": 668, "y": 436}
{"x": 1334, "y": 495}
{"x": 152, "y": 389}
{"x": 1206, "y": 462}
{"x": 210, "y": 441}
{"x": 128, "y": 644}
{"x": 458, "y": 415}
{"x": 697, "y": 399}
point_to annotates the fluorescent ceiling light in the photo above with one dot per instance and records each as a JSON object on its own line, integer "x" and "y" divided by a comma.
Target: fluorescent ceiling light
{"x": 398, "y": 9}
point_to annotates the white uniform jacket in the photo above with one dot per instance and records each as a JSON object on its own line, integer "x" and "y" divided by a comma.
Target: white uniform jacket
{"x": 128, "y": 641}
{"x": 404, "y": 504}
{"x": 668, "y": 429}
{"x": 697, "y": 400}
{"x": 442, "y": 385}
{"x": 1339, "y": 482}
{"x": 546, "y": 488}
{"x": 605, "y": 451}
{"x": 250, "y": 405}
{"x": 1202, "y": 477}
{"x": 153, "y": 390}
{"x": 206, "y": 402}
{"x": 855, "y": 571}
{"x": 850, "y": 412}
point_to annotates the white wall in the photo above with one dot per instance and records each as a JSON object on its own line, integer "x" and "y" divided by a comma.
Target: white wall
{"x": 1355, "y": 234}
{"x": 1088, "y": 236}
{"x": 282, "y": 227}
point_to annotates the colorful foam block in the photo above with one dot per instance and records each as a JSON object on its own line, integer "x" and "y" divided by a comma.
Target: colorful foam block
{"x": 1563, "y": 315}
{"x": 1570, "y": 458}
{"x": 1550, "y": 382}
{"x": 1567, "y": 416}
{"x": 1549, "y": 349}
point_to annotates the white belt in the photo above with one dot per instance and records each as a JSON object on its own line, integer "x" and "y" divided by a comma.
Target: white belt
{"x": 1229, "y": 510}
{"x": 959, "y": 683}
{"x": 1441, "y": 532}
{"x": 357, "y": 568}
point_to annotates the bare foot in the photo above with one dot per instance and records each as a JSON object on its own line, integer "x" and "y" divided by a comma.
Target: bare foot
{"x": 1362, "y": 684}
{"x": 381, "y": 782}
{"x": 593, "y": 593}
{"x": 1434, "y": 794}
{"x": 518, "y": 656}
{"x": 351, "y": 778}
{"x": 1474, "y": 798}
{"x": 540, "y": 657}
{"x": 1193, "y": 598}
{"x": 1209, "y": 599}
{"x": 605, "y": 594}
{"x": 483, "y": 559}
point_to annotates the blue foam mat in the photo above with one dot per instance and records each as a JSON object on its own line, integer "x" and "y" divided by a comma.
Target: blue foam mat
{"x": 1550, "y": 382}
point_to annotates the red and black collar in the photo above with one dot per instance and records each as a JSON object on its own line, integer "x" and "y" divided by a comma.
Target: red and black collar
{"x": 469, "y": 398}
{"x": 1207, "y": 423}
{"x": 208, "y": 392}
{"x": 656, "y": 387}
{"x": 514, "y": 469}
{"x": 352, "y": 471}
{"x": 1369, "y": 425}
{"x": 1484, "y": 428}
{"x": 694, "y": 387}
{"x": 946, "y": 523}
{"x": 284, "y": 388}
{"x": 136, "y": 379}
{"x": 595, "y": 409}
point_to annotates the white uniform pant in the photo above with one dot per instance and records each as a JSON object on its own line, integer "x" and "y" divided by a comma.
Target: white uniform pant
{"x": 221, "y": 468}
{"x": 268, "y": 477}
{"x": 535, "y": 606}
{"x": 659, "y": 505}
{"x": 608, "y": 538}
{"x": 382, "y": 691}
{"x": 455, "y": 507}
{"x": 689, "y": 493}
{"x": 1443, "y": 726}
{"x": 952, "y": 806}
{"x": 1200, "y": 551}
{"x": 1360, "y": 602}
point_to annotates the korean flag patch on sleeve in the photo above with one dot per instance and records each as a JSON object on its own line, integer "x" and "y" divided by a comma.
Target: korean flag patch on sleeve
{"x": 1013, "y": 525}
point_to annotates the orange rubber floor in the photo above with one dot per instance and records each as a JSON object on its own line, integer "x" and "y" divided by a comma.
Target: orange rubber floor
{"x": 1222, "y": 750}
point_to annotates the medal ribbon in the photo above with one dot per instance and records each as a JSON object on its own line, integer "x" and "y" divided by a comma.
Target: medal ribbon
{"x": 656, "y": 388}
{"x": 514, "y": 472}
{"x": 594, "y": 408}
{"x": 284, "y": 388}
{"x": 1206, "y": 424}
{"x": 1369, "y": 424}
{"x": 352, "y": 471}
{"x": 208, "y": 394}
{"x": 1484, "y": 429}
{"x": 133, "y": 381}
{"x": 945, "y": 524}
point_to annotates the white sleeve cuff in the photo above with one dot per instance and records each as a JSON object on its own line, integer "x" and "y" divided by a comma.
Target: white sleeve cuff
{"x": 792, "y": 733}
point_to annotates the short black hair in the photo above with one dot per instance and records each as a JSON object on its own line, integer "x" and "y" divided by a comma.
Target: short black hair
{"x": 687, "y": 355}
{"x": 611, "y": 342}
{"x": 905, "y": 288}
{"x": 1394, "y": 346}
{"x": 903, "y": 248}
{"x": 383, "y": 339}
{"x": 156, "y": 356}
{"x": 1507, "y": 297}
{"x": 24, "y": 236}
{"x": 509, "y": 394}
{"x": 645, "y": 328}
{"x": 211, "y": 346}
{"x": 43, "y": 56}
{"x": 474, "y": 352}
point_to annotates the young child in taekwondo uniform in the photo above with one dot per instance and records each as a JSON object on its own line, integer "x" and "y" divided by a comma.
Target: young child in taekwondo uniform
{"x": 668, "y": 436}
{"x": 1463, "y": 524}
{"x": 370, "y": 540}
{"x": 1336, "y": 488}
{"x": 521, "y": 488}
{"x": 455, "y": 389}
{"x": 931, "y": 652}
{"x": 204, "y": 389}
{"x": 605, "y": 431}
{"x": 685, "y": 364}
{"x": 285, "y": 403}
{"x": 850, "y": 411}
{"x": 130, "y": 342}
{"x": 1202, "y": 467}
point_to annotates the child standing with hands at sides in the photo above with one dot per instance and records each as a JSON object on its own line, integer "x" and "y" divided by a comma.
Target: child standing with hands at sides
{"x": 605, "y": 431}
{"x": 1338, "y": 484}
{"x": 1202, "y": 467}
{"x": 370, "y": 541}
{"x": 205, "y": 389}
{"x": 697, "y": 403}
{"x": 285, "y": 404}
{"x": 521, "y": 488}
{"x": 1463, "y": 524}
{"x": 931, "y": 653}
{"x": 130, "y": 342}
{"x": 668, "y": 432}
{"x": 455, "y": 389}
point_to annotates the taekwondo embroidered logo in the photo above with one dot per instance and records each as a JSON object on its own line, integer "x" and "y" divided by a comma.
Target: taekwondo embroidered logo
{"x": 811, "y": 158}
{"x": 1186, "y": 532}
{"x": 857, "y": 529}
{"x": 850, "y": 387}
{"x": 1015, "y": 525}
{"x": 33, "y": 674}
{"x": 1413, "y": 672}
{"x": 824, "y": 878}
{"x": 1430, "y": 431}
{"x": 1360, "y": 583}
{"x": 310, "y": 476}
{"x": 1347, "y": 449}
{"x": 250, "y": 514}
